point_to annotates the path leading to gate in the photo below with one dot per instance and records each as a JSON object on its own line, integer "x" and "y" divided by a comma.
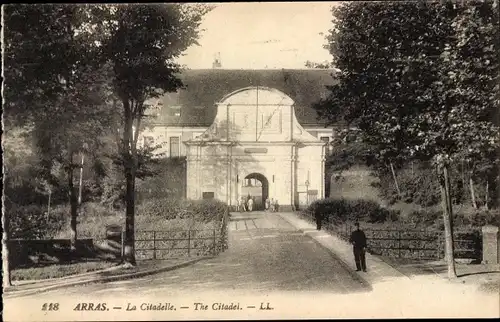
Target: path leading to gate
{"x": 274, "y": 258}
{"x": 266, "y": 254}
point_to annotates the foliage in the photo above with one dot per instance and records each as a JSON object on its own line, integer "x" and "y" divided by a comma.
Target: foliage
{"x": 141, "y": 43}
{"x": 197, "y": 210}
{"x": 400, "y": 86}
{"x": 322, "y": 65}
{"x": 64, "y": 96}
{"x": 341, "y": 210}
{"x": 420, "y": 81}
{"x": 33, "y": 222}
{"x": 348, "y": 150}
{"x": 169, "y": 180}
{"x": 424, "y": 218}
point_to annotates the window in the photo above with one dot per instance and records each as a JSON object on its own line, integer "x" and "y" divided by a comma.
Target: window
{"x": 174, "y": 146}
{"x": 208, "y": 195}
{"x": 148, "y": 141}
{"x": 326, "y": 139}
{"x": 175, "y": 110}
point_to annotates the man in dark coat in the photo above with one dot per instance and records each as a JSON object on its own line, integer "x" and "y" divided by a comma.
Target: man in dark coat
{"x": 319, "y": 218}
{"x": 358, "y": 240}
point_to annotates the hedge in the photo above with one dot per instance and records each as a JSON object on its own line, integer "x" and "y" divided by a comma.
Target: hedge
{"x": 342, "y": 210}
{"x": 33, "y": 222}
{"x": 198, "y": 210}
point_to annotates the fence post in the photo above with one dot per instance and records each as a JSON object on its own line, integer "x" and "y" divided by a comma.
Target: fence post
{"x": 122, "y": 244}
{"x": 438, "y": 246}
{"x": 189, "y": 242}
{"x": 399, "y": 243}
{"x": 154, "y": 244}
{"x": 214, "y": 243}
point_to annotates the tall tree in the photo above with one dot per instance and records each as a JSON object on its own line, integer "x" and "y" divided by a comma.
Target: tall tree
{"x": 141, "y": 42}
{"x": 55, "y": 83}
{"x": 397, "y": 86}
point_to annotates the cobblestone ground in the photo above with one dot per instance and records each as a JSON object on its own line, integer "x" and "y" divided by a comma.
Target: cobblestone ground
{"x": 266, "y": 254}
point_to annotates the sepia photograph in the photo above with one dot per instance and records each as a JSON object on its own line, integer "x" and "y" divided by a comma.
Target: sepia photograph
{"x": 251, "y": 160}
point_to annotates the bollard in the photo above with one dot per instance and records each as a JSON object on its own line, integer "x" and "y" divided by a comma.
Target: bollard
{"x": 491, "y": 249}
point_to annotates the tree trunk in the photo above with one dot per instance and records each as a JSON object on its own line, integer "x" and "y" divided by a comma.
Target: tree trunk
{"x": 129, "y": 252}
{"x": 80, "y": 184}
{"x": 487, "y": 195}
{"x": 48, "y": 206}
{"x": 130, "y": 172}
{"x": 464, "y": 181}
{"x": 74, "y": 206}
{"x": 395, "y": 179}
{"x": 448, "y": 223}
{"x": 5, "y": 252}
{"x": 472, "y": 193}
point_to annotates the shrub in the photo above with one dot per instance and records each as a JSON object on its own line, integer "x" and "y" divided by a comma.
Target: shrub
{"x": 482, "y": 218}
{"x": 198, "y": 210}
{"x": 342, "y": 210}
{"x": 423, "y": 218}
{"x": 32, "y": 222}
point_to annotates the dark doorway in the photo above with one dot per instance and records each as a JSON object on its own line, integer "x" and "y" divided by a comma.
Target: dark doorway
{"x": 257, "y": 186}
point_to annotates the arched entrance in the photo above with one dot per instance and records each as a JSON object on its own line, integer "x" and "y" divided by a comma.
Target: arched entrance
{"x": 256, "y": 186}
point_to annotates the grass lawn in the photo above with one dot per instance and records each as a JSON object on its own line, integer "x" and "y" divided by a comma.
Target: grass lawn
{"x": 58, "y": 270}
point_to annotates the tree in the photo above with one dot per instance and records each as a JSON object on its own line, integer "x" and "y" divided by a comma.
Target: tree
{"x": 141, "y": 42}
{"x": 322, "y": 65}
{"x": 55, "y": 84}
{"x": 397, "y": 85}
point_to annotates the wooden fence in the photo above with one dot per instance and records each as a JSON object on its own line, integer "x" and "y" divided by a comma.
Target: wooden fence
{"x": 420, "y": 244}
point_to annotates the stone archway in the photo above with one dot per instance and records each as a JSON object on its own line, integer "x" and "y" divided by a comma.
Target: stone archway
{"x": 260, "y": 192}
{"x": 256, "y": 132}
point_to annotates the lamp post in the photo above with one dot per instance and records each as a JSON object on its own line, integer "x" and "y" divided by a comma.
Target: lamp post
{"x": 80, "y": 185}
{"x": 307, "y": 192}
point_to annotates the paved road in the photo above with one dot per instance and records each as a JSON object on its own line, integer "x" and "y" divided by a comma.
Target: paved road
{"x": 265, "y": 254}
{"x": 268, "y": 263}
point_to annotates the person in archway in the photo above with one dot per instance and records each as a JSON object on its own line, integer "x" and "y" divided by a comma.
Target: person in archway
{"x": 250, "y": 204}
{"x": 267, "y": 204}
{"x": 238, "y": 205}
{"x": 242, "y": 204}
{"x": 358, "y": 240}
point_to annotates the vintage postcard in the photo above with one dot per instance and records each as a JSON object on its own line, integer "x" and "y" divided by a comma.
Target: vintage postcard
{"x": 306, "y": 160}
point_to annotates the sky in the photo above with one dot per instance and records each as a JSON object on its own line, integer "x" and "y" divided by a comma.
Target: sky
{"x": 262, "y": 35}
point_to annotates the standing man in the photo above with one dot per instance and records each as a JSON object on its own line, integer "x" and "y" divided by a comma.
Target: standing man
{"x": 358, "y": 240}
{"x": 238, "y": 207}
{"x": 319, "y": 218}
{"x": 250, "y": 204}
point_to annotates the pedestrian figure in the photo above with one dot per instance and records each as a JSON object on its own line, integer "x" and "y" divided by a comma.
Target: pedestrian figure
{"x": 358, "y": 240}
{"x": 238, "y": 206}
{"x": 276, "y": 206}
{"x": 271, "y": 204}
{"x": 319, "y": 218}
{"x": 267, "y": 204}
{"x": 250, "y": 204}
{"x": 243, "y": 204}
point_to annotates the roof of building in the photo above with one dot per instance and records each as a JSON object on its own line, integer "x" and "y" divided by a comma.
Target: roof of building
{"x": 195, "y": 105}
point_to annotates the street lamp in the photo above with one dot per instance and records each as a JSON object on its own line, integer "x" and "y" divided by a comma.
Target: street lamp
{"x": 307, "y": 192}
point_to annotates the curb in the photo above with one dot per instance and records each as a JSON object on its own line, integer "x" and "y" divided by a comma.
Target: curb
{"x": 14, "y": 293}
{"x": 342, "y": 262}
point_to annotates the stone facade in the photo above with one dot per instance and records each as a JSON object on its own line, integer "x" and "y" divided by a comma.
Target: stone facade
{"x": 259, "y": 132}
{"x": 256, "y": 133}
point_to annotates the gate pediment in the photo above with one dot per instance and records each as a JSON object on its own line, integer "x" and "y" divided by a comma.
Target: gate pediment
{"x": 256, "y": 114}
